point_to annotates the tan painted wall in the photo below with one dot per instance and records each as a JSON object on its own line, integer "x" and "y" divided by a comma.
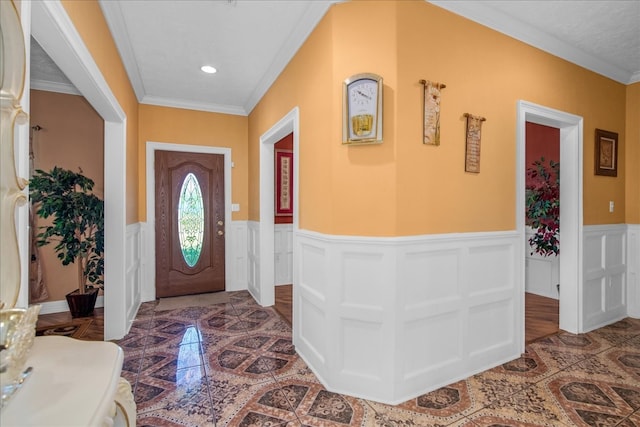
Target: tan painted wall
{"x": 88, "y": 19}
{"x": 303, "y": 83}
{"x": 403, "y": 187}
{"x": 178, "y": 126}
{"x": 72, "y": 137}
{"x": 632, "y": 155}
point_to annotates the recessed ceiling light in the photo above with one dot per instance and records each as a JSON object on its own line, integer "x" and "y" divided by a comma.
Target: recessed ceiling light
{"x": 208, "y": 69}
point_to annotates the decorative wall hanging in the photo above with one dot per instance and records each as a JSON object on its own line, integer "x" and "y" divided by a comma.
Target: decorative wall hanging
{"x": 431, "y": 111}
{"x": 362, "y": 109}
{"x": 472, "y": 156}
{"x": 284, "y": 182}
{"x": 606, "y": 153}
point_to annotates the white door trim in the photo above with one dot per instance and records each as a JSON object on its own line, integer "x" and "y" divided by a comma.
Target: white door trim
{"x": 288, "y": 124}
{"x": 55, "y": 32}
{"x": 149, "y": 288}
{"x": 571, "y": 210}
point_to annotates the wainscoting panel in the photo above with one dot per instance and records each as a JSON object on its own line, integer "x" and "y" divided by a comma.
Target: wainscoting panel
{"x": 253, "y": 259}
{"x": 404, "y": 316}
{"x": 134, "y": 270}
{"x": 457, "y": 307}
{"x": 238, "y": 232}
{"x": 633, "y": 270}
{"x": 283, "y": 256}
{"x": 605, "y": 275}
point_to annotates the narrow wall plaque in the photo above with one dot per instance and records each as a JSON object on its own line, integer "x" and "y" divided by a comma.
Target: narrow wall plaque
{"x": 472, "y": 157}
{"x": 431, "y": 133}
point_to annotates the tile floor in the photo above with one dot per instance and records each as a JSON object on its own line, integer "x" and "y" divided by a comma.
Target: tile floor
{"x": 234, "y": 365}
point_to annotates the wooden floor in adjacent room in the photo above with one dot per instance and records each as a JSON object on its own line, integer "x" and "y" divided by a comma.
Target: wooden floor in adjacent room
{"x": 284, "y": 302}
{"x": 94, "y": 332}
{"x": 541, "y": 315}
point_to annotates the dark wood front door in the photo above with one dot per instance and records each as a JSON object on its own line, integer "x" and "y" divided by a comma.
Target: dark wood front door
{"x": 189, "y": 223}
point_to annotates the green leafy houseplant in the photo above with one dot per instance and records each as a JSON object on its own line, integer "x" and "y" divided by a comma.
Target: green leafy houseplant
{"x": 77, "y": 224}
{"x": 543, "y": 206}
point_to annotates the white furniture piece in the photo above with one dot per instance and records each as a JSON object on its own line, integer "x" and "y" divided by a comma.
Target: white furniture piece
{"x": 73, "y": 383}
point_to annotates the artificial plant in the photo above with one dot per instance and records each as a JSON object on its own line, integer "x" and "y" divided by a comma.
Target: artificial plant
{"x": 543, "y": 206}
{"x": 77, "y": 221}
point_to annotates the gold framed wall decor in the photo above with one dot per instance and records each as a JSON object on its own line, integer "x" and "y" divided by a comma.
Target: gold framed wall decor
{"x": 362, "y": 109}
{"x": 606, "y": 153}
{"x": 431, "y": 112}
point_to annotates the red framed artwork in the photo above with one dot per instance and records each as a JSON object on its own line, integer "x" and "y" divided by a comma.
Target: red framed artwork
{"x": 284, "y": 183}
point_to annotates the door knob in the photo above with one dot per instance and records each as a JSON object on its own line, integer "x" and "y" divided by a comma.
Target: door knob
{"x": 220, "y": 232}
{"x": 220, "y": 222}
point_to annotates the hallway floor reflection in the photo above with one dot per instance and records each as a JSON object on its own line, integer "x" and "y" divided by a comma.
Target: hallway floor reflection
{"x": 234, "y": 364}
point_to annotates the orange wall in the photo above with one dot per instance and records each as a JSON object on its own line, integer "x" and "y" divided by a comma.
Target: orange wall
{"x": 303, "y": 83}
{"x": 403, "y": 187}
{"x": 632, "y": 155}
{"x": 72, "y": 137}
{"x": 189, "y": 127}
{"x": 88, "y": 19}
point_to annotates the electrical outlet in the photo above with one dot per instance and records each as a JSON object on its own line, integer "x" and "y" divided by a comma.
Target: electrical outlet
{"x": 611, "y": 206}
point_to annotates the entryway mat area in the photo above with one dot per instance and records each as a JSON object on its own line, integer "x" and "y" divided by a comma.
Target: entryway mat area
{"x": 199, "y": 300}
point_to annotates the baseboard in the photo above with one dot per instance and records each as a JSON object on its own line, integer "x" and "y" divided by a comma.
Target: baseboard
{"x": 61, "y": 306}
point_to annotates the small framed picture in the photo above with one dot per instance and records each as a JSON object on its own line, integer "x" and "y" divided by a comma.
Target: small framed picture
{"x": 606, "y": 151}
{"x": 284, "y": 183}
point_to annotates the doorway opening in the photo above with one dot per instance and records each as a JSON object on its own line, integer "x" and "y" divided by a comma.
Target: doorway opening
{"x": 571, "y": 219}
{"x": 264, "y": 290}
{"x": 542, "y": 248}
{"x": 54, "y": 31}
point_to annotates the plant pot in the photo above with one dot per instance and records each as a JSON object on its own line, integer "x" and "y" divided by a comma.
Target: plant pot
{"x": 82, "y": 305}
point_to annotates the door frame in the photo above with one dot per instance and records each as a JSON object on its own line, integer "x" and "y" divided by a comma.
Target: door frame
{"x": 55, "y": 32}
{"x": 571, "y": 207}
{"x": 290, "y": 123}
{"x": 149, "y": 285}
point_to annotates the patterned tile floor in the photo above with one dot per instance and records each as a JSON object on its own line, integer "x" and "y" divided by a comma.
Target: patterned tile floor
{"x": 234, "y": 365}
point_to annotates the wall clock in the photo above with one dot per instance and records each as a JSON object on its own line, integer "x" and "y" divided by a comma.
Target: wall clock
{"x": 362, "y": 109}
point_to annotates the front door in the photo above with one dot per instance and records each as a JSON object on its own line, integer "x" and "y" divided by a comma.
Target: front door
{"x": 189, "y": 223}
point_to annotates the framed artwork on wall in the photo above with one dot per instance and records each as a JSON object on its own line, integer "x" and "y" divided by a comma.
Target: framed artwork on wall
{"x": 284, "y": 182}
{"x": 606, "y": 153}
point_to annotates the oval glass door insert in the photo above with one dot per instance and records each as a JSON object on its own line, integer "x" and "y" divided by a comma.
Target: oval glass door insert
{"x": 191, "y": 219}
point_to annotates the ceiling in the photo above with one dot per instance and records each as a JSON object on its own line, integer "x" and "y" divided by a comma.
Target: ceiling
{"x": 163, "y": 44}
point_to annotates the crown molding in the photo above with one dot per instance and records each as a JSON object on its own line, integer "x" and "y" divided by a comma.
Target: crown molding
{"x": 488, "y": 16}
{"x": 193, "y": 105}
{"x": 115, "y": 20}
{"x": 57, "y": 87}
{"x": 313, "y": 15}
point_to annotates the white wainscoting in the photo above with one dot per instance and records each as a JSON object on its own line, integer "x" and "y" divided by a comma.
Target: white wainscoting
{"x": 253, "y": 259}
{"x": 542, "y": 273}
{"x": 283, "y": 256}
{"x": 237, "y": 279}
{"x": 604, "y": 292}
{"x": 134, "y": 271}
{"x": 388, "y": 319}
{"x": 633, "y": 270}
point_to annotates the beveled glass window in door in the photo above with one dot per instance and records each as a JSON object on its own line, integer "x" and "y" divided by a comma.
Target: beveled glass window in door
{"x": 191, "y": 219}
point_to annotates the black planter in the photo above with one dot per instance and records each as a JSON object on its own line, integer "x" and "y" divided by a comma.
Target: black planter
{"x": 82, "y": 305}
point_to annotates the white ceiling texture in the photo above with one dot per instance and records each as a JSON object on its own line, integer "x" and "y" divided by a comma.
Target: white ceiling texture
{"x": 163, "y": 43}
